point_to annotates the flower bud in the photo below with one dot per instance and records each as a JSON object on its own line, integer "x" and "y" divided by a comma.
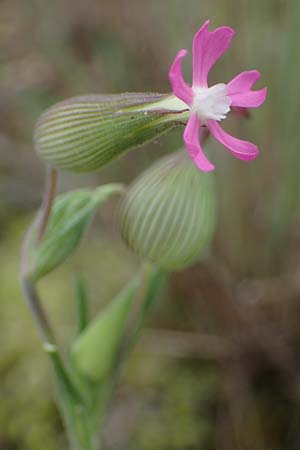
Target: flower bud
{"x": 94, "y": 351}
{"x": 168, "y": 214}
{"x": 84, "y": 133}
{"x": 102, "y": 345}
{"x": 68, "y": 221}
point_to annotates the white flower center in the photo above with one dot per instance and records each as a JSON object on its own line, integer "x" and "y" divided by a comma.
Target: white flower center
{"x": 211, "y": 103}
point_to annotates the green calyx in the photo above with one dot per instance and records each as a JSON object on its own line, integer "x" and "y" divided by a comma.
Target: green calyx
{"x": 84, "y": 133}
{"x": 168, "y": 214}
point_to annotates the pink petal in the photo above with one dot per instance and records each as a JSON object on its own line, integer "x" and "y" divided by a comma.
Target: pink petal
{"x": 191, "y": 139}
{"x": 239, "y": 90}
{"x": 241, "y": 149}
{"x": 250, "y": 99}
{"x": 243, "y": 82}
{"x": 180, "y": 88}
{"x": 208, "y": 47}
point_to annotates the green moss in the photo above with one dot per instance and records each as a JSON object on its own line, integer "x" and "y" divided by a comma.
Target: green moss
{"x": 177, "y": 411}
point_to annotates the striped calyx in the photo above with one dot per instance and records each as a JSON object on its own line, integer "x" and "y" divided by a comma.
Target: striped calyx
{"x": 84, "y": 133}
{"x": 168, "y": 214}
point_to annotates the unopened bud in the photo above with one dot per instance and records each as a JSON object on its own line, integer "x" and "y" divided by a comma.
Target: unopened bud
{"x": 84, "y": 133}
{"x": 68, "y": 221}
{"x": 168, "y": 214}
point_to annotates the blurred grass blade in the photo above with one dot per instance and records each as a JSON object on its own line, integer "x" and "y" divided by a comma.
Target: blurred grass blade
{"x": 84, "y": 133}
{"x": 155, "y": 284}
{"x": 81, "y": 300}
{"x": 69, "y": 218}
{"x": 286, "y": 203}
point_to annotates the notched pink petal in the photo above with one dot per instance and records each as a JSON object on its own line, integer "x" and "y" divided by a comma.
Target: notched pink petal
{"x": 239, "y": 90}
{"x": 191, "y": 139}
{"x": 243, "y": 82}
{"x": 250, "y": 99}
{"x": 240, "y": 149}
{"x": 180, "y": 88}
{"x": 208, "y": 47}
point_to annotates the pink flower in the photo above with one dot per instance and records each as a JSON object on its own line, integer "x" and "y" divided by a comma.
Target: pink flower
{"x": 209, "y": 105}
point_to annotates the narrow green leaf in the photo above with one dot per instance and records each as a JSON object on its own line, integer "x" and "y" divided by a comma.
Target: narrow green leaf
{"x": 155, "y": 281}
{"x": 77, "y": 418}
{"x": 81, "y": 300}
{"x": 63, "y": 377}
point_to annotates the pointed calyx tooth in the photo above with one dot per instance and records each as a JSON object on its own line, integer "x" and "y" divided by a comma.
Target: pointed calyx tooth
{"x": 168, "y": 214}
{"x": 84, "y": 133}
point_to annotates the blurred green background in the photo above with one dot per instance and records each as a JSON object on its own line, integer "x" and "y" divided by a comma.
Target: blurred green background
{"x": 185, "y": 388}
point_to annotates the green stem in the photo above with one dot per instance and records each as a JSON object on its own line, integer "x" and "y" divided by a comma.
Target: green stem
{"x": 38, "y": 314}
{"x": 151, "y": 282}
{"x": 49, "y": 196}
{"x": 82, "y": 411}
{"x": 71, "y": 405}
{"x": 74, "y": 410}
{"x": 76, "y": 414}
